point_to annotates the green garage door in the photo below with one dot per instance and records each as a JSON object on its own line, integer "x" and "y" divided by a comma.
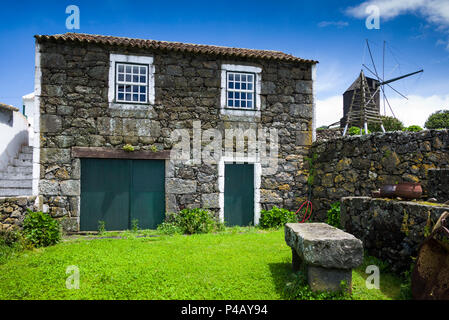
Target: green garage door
{"x": 118, "y": 191}
{"x": 239, "y": 194}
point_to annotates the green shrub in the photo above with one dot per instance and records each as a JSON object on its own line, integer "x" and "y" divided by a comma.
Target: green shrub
{"x": 10, "y": 243}
{"x": 413, "y": 128}
{"x": 101, "y": 226}
{"x": 389, "y": 123}
{"x": 135, "y": 225}
{"x": 333, "y": 215}
{"x": 40, "y": 229}
{"x": 276, "y": 217}
{"x": 191, "y": 221}
{"x": 169, "y": 228}
{"x": 438, "y": 120}
{"x": 354, "y": 131}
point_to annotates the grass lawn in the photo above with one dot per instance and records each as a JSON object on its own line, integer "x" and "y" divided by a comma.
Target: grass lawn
{"x": 253, "y": 264}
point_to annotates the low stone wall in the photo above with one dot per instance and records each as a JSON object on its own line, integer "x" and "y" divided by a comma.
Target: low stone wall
{"x": 357, "y": 165}
{"x": 389, "y": 229}
{"x": 439, "y": 186}
{"x": 14, "y": 209}
{"x": 327, "y": 134}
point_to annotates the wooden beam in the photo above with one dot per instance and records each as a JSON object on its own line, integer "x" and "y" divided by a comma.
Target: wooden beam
{"x": 109, "y": 153}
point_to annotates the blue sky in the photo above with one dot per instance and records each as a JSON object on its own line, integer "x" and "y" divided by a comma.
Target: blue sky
{"x": 332, "y": 32}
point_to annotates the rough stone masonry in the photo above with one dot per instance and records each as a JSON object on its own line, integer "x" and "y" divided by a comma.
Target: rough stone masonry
{"x": 74, "y": 112}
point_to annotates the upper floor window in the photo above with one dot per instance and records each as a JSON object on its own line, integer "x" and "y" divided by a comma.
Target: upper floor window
{"x": 240, "y": 90}
{"x": 131, "y": 83}
{"x": 131, "y": 80}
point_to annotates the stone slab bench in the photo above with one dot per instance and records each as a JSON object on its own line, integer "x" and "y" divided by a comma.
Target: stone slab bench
{"x": 326, "y": 254}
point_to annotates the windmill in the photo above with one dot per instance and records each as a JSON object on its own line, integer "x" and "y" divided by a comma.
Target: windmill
{"x": 364, "y": 100}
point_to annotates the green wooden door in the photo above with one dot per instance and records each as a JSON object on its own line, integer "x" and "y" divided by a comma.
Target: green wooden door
{"x": 117, "y": 191}
{"x": 239, "y": 194}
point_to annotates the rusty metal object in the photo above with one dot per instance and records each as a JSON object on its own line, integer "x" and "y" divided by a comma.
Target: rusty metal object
{"x": 430, "y": 276}
{"x": 388, "y": 191}
{"x": 408, "y": 190}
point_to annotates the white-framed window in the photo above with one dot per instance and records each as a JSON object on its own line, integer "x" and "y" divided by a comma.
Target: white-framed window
{"x": 240, "y": 89}
{"x": 131, "y": 80}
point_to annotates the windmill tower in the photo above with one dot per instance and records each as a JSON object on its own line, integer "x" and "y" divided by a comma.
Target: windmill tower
{"x": 363, "y": 108}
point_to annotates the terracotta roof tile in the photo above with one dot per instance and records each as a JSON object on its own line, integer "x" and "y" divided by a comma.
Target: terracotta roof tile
{"x": 8, "y": 107}
{"x": 174, "y": 46}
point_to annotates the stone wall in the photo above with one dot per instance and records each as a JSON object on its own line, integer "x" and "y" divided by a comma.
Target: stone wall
{"x": 390, "y": 230}
{"x": 328, "y": 134}
{"x": 75, "y": 113}
{"x": 14, "y": 209}
{"x": 357, "y": 165}
{"x": 439, "y": 186}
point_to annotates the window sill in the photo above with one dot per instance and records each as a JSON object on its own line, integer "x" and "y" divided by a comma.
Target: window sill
{"x": 129, "y": 106}
{"x": 247, "y": 114}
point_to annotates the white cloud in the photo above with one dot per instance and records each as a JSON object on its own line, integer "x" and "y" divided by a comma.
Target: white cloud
{"x": 415, "y": 110}
{"x": 434, "y": 11}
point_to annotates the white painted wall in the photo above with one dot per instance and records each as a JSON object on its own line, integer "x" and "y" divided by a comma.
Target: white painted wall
{"x": 36, "y": 121}
{"x": 28, "y": 103}
{"x": 13, "y": 135}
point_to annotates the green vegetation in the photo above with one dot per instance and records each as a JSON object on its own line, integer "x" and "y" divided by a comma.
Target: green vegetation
{"x": 413, "y": 128}
{"x": 389, "y": 123}
{"x": 276, "y": 217}
{"x": 41, "y": 230}
{"x": 101, "y": 227}
{"x": 128, "y": 148}
{"x": 333, "y": 215}
{"x": 237, "y": 263}
{"x": 191, "y": 221}
{"x": 354, "y": 131}
{"x": 438, "y": 120}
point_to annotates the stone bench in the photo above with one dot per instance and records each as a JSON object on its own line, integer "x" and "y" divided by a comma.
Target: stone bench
{"x": 325, "y": 254}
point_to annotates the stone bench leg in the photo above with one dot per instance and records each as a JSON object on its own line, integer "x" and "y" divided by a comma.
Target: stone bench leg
{"x": 323, "y": 279}
{"x": 296, "y": 261}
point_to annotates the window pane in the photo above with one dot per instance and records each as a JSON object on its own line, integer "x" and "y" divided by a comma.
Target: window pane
{"x": 128, "y": 69}
{"x": 231, "y": 85}
{"x": 121, "y": 88}
{"x": 135, "y": 97}
{"x": 243, "y": 86}
{"x": 244, "y": 77}
{"x": 237, "y": 95}
{"x": 237, "y": 77}
{"x": 243, "y": 95}
{"x": 142, "y": 98}
{"x": 237, "y": 103}
{"x": 243, "y": 104}
{"x": 230, "y": 103}
{"x": 250, "y": 86}
{"x": 128, "y": 97}
{"x": 128, "y": 78}
{"x": 121, "y": 77}
{"x": 237, "y": 85}
{"x": 128, "y": 88}
{"x": 135, "y": 69}
{"x": 143, "y": 70}
{"x": 135, "y": 89}
{"x": 249, "y": 104}
{"x": 120, "y": 96}
{"x": 231, "y": 77}
{"x": 250, "y": 78}
{"x": 249, "y": 96}
{"x": 121, "y": 68}
{"x": 143, "y": 79}
{"x": 143, "y": 89}
{"x": 230, "y": 95}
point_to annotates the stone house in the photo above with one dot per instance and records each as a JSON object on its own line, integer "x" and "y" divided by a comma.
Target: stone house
{"x": 181, "y": 107}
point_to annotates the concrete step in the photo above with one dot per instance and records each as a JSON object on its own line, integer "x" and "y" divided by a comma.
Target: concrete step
{"x": 25, "y": 156}
{"x": 15, "y": 176}
{"x": 14, "y": 192}
{"x": 22, "y": 163}
{"x": 16, "y": 184}
{"x": 19, "y": 170}
{"x": 27, "y": 149}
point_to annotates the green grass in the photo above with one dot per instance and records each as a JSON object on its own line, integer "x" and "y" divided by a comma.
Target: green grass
{"x": 241, "y": 263}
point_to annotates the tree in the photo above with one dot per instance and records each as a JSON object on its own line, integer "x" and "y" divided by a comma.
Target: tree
{"x": 390, "y": 124}
{"x": 438, "y": 120}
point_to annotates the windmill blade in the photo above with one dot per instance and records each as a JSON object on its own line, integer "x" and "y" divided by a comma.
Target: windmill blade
{"x": 372, "y": 60}
{"x": 383, "y": 82}
{"x": 383, "y": 72}
{"x": 390, "y": 107}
